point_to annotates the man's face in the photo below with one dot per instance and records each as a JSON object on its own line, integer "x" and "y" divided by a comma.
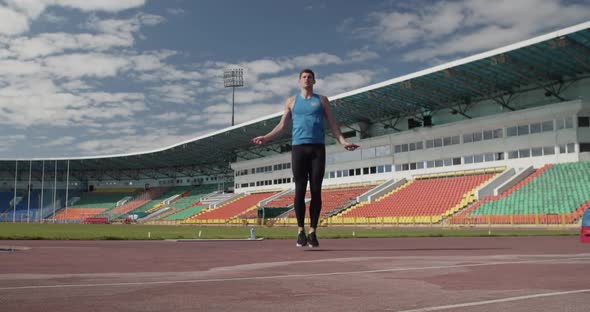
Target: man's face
{"x": 306, "y": 80}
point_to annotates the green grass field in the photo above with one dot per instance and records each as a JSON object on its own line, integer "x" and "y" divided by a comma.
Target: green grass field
{"x": 20, "y": 231}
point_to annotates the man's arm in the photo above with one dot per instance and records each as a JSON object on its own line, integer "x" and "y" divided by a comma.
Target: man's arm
{"x": 334, "y": 125}
{"x": 279, "y": 128}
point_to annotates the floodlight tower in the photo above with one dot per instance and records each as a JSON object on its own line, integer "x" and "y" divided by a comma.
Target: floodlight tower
{"x": 233, "y": 78}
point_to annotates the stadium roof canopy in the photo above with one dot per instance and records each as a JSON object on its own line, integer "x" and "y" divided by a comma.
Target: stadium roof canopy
{"x": 545, "y": 62}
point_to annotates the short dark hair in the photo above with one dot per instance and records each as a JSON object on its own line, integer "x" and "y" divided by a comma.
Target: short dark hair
{"x": 307, "y": 70}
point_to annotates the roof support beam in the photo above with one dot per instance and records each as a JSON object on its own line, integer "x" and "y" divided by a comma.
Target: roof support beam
{"x": 530, "y": 74}
{"x": 564, "y": 43}
{"x": 459, "y": 79}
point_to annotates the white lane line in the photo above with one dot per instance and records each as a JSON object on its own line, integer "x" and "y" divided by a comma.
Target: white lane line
{"x": 233, "y": 279}
{"x": 477, "y": 303}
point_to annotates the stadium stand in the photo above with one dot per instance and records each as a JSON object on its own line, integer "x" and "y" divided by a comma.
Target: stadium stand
{"x": 225, "y": 212}
{"x": 28, "y": 211}
{"x": 427, "y": 200}
{"x": 188, "y": 199}
{"x": 337, "y": 198}
{"x": 184, "y": 213}
{"x": 104, "y": 200}
{"x": 140, "y": 200}
{"x": 554, "y": 194}
{"x": 77, "y": 215}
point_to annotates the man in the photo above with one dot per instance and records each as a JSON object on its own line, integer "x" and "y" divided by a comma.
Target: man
{"x": 307, "y": 111}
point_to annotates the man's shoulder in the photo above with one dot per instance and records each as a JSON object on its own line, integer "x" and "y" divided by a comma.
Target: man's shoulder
{"x": 289, "y": 102}
{"x": 323, "y": 98}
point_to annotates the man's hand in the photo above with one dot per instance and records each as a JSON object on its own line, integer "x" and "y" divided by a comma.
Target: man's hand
{"x": 259, "y": 140}
{"x": 350, "y": 146}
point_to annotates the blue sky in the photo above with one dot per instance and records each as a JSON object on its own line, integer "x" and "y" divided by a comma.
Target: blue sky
{"x": 81, "y": 77}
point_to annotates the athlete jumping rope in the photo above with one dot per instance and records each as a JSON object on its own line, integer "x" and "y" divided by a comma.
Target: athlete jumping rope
{"x": 307, "y": 111}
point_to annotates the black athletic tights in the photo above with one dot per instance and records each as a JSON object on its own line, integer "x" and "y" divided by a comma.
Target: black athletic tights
{"x": 308, "y": 161}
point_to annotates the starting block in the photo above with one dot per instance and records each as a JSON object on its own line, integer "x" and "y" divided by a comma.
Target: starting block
{"x": 585, "y": 231}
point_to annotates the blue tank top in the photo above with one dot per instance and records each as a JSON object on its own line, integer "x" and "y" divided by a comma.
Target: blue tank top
{"x": 308, "y": 120}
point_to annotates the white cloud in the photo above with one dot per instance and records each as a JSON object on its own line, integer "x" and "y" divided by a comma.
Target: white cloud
{"x": 54, "y": 43}
{"x": 342, "y": 82}
{"x": 120, "y": 144}
{"x": 18, "y": 68}
{"x": 169, "y": 116}
{"x": 16, "y": 16}
{"x": 164, "y": 72}
{"x": 176, "y": 93}
{"x": 11, "y": 22}
{"x": 103, "y": 5}
{"x": 220, "y": 114}
{"x": 124, "y": 26}
{"x": 175, "y": 11}
{"x": 60, "y": 142}
{"x": 53, "y": 18}
{"x": 448, "y": 28}
{"x": 85, "y": 65}
{"x": 7, "y": 141}
{"x": 362, "y": 55}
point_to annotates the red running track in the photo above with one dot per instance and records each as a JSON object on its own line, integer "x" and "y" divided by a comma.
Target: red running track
{"x": 405, "y": 274}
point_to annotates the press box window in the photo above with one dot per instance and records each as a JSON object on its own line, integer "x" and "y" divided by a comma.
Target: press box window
{"x": 535, "y": 128}
{"x": 523, "y": 130}
{"x": 562, "y": 149}
{"x": 571, "y": 148}
{"x": 468, "y": 138}
{"x": 548, "y": 125}
{"x": 537, "y": 151}
{"x": 512, "y": 154}
{"x": 447, "y": 141}
{"x": 437, "y": 142}
{"x": 512, "y": 131}
{"x": 548, "y": 150}
{"x": 498, "y": 133}
{"x": 584, "y": 147}
{"x": 524, "y": 153}
{"x": 583, "y": 122}
{"x": 569, "y": 122}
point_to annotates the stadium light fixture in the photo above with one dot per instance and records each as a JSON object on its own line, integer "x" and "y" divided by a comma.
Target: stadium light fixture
{"x": 233, "y": 78}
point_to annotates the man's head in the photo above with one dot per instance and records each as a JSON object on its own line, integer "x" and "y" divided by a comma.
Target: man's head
{"x": 306, "y": 78}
